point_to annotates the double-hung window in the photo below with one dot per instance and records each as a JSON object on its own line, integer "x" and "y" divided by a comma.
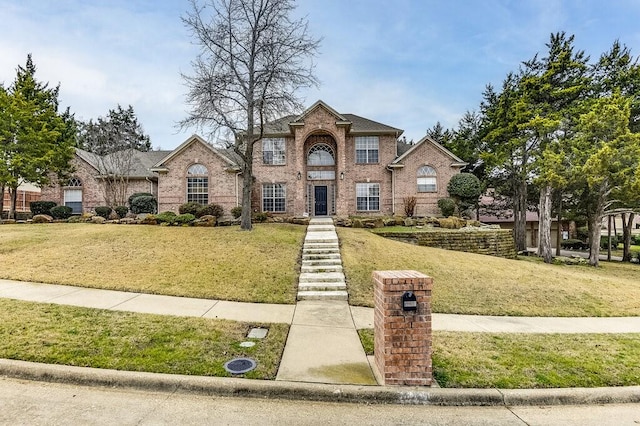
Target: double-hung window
{"x": 427, "y": 179}
{"x": 368, "y": 196}
{"x": 198, "y": 184}
{"x": 367, "y": 149}
{"x": 274, "y": 197}
{"x": 273, "y": 151}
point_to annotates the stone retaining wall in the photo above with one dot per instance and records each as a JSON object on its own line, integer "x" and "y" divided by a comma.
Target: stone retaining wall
{"x": 492, "y": 242}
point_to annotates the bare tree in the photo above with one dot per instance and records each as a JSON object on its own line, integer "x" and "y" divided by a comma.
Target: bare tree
{"x": 253, "y": 58}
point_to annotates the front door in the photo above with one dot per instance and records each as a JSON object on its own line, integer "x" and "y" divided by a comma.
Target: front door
{"x": 321, "y": 201}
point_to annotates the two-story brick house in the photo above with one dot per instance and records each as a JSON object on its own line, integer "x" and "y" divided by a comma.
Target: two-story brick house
{"x": 318, "y": 163}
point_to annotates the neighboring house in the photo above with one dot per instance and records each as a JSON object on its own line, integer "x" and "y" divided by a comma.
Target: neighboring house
{"x": 26, "y": 194}
{"x": 317, "y": 164}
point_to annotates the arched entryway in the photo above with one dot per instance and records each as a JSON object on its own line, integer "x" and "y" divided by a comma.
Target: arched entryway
{"x": 320, "y": 162}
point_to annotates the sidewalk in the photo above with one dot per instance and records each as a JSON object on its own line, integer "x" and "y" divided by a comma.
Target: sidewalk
{"x": 263, "y": 312}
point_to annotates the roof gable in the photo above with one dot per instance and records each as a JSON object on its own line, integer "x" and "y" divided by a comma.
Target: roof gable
{"x": 187, "y": 143}
{"x": 456, "y": 161}
{"x": 315, "y": 106}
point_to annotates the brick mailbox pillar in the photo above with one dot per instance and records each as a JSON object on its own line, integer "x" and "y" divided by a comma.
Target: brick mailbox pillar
{"x": 402, "y": 339}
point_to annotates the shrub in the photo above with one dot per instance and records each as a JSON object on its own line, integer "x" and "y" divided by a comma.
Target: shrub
{"x": 190, "y": 207}
{"x": 236, "y": 212}
{"x": 465, "y": 188}
{"x": 409, "y": 205}
{"x": 582, "y": 233}
{"x": 166, "y": 217}
{"x": 42, "y": 207}
{"x": 573, "y": 244}
{"x": 635, "y": 239}
{"x": 61, "y": 212}
{"x": 604, "y": 242}
{"x": 447, "y": 206}
{"x": 103, "y": 211}
{"x": 121, "y": 211}
{"x": 185, "y": 218}
{"x": 261, "y": 217}
{"x": 138, "y": 194}
{"x": 211, "y": 210}
{"x": 144, "y": 204}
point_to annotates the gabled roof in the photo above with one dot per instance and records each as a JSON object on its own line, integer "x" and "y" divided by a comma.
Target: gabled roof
{"x": 141, "y": 161}
{"x": 356, "y": 125}
{"x": 456, "y": 161}
{"x": 223, "y": 154}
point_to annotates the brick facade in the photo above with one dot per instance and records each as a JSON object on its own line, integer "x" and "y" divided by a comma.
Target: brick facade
{"x": 304, "y": 185}
{"x": 402, "y": 339}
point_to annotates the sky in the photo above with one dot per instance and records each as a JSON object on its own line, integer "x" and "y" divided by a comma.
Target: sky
{"x": 404, "y": 63}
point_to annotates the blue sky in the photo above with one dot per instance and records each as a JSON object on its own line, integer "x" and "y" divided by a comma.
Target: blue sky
{"x": 405, "y": 63}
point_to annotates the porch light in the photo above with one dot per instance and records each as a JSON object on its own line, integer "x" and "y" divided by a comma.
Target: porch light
{"x": 341, "y": 175}
{"x": 299, "y": 175}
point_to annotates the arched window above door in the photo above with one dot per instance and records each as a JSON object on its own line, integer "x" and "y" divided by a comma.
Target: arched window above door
{"x": 321, "y": 154}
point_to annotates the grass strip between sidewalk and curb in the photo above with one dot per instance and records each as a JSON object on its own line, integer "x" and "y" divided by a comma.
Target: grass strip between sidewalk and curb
{"x": 535, "y": 361}
{"x": 222, "y": 263}
{"x": 85, "y": 337}
{"x": 474, "y": 284}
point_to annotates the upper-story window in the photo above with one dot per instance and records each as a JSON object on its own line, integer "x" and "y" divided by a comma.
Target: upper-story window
{"x": 273, "y": 151}
{"x": 367, "y": 149}
{"x": 427, "y": 179}
{"x": 198, "y": 184}
{"x": 321, "y": 154}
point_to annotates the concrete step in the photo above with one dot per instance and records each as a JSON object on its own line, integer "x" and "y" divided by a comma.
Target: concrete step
{"x": 326, "y": 256}
{"x": 322, "y": 239}
{"x": 320, "y": 268}
{"x": 320, "y": 228}
{"x": 323, "y": 295}
{"x": 321, "y": 221}
{"x": 306, "y": 249}
{"x": 322, "y": 262}
{"x": 321, "y": 245}
{"x": 320, "y": 286}
{"x": 322, "y": 277}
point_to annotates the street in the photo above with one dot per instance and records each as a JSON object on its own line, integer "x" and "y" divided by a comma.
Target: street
{"x": 39, "y": 403}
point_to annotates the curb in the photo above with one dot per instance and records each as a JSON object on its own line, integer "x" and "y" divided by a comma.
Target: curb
{"x": 232, "y": 387}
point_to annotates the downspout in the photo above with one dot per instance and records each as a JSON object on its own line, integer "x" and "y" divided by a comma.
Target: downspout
{"x": 393, "y": 190}
{"x": 236, "y": 185}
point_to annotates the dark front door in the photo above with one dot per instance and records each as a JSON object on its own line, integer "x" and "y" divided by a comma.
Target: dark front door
{"x": 321, "y": 200}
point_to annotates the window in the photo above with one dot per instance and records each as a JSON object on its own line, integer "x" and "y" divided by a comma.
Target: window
{"x": 273, "y": 197}
{"x": 366, "y": 149}
{"x": 73, "y": 195}
{"x": 198, "y": 184}
{"x": 427, "y": 181}
{"x": 273, "y": 151}
{"x": 321, "y": 154}
{"x": 321, "y": 175}
{"x": 368, "y": 196}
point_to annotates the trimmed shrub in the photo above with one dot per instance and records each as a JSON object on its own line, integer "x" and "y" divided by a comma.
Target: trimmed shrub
{"x": 144, "y": 204}
{"x": 138, "y": 194}
{"x": 573, "y": 245}
{"x": 604, "y": 242}
{"x": 447, "y": 206}
{"x": 42, "y": 207}
{"x": 465, "y": 189}
{"x": 260, "y": 217}
{"x": 582, "y": 233}
{"x": 190, "y": 207}
{"x": 210, "y": 210}
{"x": 103, "y": 211}
{"x": 121, "y": 211}
{"x": 236, "y": 212}
{"x": 61, "y": 212}
{"x": 184, "y": 219}
{"x": 166, "y": 217}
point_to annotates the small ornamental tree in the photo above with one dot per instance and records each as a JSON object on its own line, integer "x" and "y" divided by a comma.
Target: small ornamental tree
{"x": 465, "y": 189}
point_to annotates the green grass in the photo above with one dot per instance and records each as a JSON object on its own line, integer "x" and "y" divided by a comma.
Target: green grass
{"x": 517, "y": 361}
{"x": 468, "y": 283}
{"x": 85, "y": 337}
{"x": 217, "y": 263}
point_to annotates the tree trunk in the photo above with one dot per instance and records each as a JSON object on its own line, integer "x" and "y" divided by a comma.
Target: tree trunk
{"x": 247, "y": 186}
{"x": 626, "y": 237}
{"x": 1, "y": 201}
{"x": 544, "y": 225}
{"x": 595, "y": 215}
{"x": 559, "y": 227}
{"x": 520, "y": 217}
{"x": 609, "y": 239}
{"x": 13, "y": 194}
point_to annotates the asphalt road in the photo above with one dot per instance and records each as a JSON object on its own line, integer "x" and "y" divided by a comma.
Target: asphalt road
{"x": 39, "y": 403}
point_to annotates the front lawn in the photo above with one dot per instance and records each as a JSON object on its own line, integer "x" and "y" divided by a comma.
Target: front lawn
{"x": 84, "y": 337}
{"x": 216, "y": 263}
{"x": 467, "y": 283}
{"x": 517, "y": 361}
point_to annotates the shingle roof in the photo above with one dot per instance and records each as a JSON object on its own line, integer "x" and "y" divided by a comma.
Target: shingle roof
{"x": 141, "y": 161}
{"x": 364, "y": 125}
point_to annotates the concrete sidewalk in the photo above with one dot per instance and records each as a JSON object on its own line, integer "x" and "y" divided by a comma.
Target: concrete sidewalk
{"x": 267, "y": 313}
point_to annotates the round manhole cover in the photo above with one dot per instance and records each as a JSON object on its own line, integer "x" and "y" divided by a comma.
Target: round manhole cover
{"x": 240, "y": 365}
